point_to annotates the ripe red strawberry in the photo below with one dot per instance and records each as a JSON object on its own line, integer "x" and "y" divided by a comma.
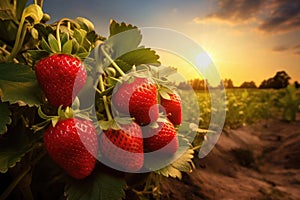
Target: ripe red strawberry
{"x": 173, "y": 108}
{"x": 73, "y": 145}
{"x": 61, "y": 77}
{"x": 124, "y": 147}
{"x": 157, "y": 138}
{"x": 137, "y": 98}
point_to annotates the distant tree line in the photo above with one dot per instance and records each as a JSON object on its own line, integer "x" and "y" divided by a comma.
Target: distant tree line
{"x": 280, "y": 80}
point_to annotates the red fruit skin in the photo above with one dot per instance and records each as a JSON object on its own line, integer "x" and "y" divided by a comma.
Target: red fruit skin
{"x": 157, "y": 138}
{"x": 173, "y": 108}
{"x": 61, "y": 77}
{"x": 73, "y": 145}
{"x": 123, "y": 147}
{"x": 137, "y": 99}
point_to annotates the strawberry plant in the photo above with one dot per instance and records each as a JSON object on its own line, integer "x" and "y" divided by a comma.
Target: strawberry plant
{"x": 289, "y": 103}
{"x": 81, "y": 114}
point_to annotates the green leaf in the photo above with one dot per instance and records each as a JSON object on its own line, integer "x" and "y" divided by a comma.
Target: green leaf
{"x": 7, "y": 11}
{"x": 44, "y": 30}
{"x": 14, "y": 146}
{"x": 18, "y": 83}
{"x": 116, "y": 27}
{"x": 164, "y": 94}
{"x": 78, "y": 36}
{"x": 137, "y": 57}
{"x": 20, "y": 7}
{"x": 87, "y": 44}
{"x": 172, "y": 166}
{"x": 123, "y": 65}
{"x": 98, "y": 186}
{"x": 53, "y": 43}
{"x": 67, "y": 48}
{"x": 170, "y": 171}
{"x": 107, "y": 91}
{"x": 38, "y": 54}
{"x": 123, "y": 38}
{"x": 45, "y": 46}
{"x": 64, "y": 37}
{"x": 75, "y": 46}
{"x": 141, "y": 56}
{"x": 4, "y": 117}
{"x": 81, "y": 50}
{"x": 9, "y": 30}
{"x": 183, "y": 164}
{"x": 83, "y": 55}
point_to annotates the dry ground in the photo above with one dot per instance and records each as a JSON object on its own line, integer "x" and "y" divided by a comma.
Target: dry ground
{"x": 261, "y": 161}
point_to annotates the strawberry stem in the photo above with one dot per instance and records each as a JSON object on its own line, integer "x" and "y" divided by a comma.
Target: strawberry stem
{"x": 40, "y": 2}
{"x": 58, "y": 28}
{"x": 109, "y": 117}
{"x": 3, "y": 49}
{"x": 105, "y": 102}
{"x": 112, "y": 61}
{"x": 19, "y": 39}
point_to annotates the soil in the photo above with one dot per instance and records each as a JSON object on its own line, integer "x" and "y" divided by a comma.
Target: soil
{"x": 259, "y": 162}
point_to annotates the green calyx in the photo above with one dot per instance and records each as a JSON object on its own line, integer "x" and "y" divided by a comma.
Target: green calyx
{"x": 165, "y": 91}
{"x": 115, "y": 123}
{"x": 67, "y": 113}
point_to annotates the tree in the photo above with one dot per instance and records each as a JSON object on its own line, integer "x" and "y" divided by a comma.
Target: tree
{"x": 250, "y": 84}
{"x": 280, "y": 80}
{"x": 198, "y": 84}
{"x": 184, "y": 86}
{"x": 297, "y": 84}
{"x": 228, "y": 83}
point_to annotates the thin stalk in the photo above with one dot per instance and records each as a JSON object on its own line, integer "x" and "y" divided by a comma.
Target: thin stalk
{"x": 8, "y": 53}
{"x": 105, "y": 101}
{"x": 19, "y": 40}
{"x": 112, "y": 61}
{"x": 40, "y": 3}
{"x": 15, "y": 4}
{"x": 22, "y": 38}
{"x": 58, "y": 27}
{"x": 109, "y": 117}
{"x": 148, "y": 182}
{"x": 58, "y": 34}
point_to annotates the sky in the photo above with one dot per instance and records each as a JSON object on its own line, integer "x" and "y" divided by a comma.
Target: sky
{"x": 247, "y": 40}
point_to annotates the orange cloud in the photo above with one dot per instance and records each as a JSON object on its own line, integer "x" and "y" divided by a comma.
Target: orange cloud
{"x": 272, "y": 16}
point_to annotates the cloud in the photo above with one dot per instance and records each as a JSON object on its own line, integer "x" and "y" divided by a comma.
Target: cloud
{"x": 287, "y": 48}
{"x": 285, "y": 17}
{"x": 271, "y": 16}
{"x": 236, "y": 10}
{"x": 281, "y": 48}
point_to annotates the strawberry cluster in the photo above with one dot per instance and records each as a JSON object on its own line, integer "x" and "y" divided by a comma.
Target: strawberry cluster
{"x": 152, "y": 128}
{"x": 152, "y": 112}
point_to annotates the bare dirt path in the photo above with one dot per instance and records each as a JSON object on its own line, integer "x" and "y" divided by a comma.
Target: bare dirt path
{"x": 260, "y": 162}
